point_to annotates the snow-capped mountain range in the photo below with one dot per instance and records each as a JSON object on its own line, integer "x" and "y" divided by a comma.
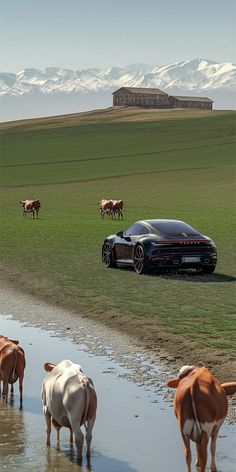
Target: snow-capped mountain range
{"x": 52, "y": 90}
{"x": 198, "y": 74}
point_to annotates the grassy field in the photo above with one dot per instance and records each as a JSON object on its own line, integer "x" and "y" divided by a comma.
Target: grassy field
{"x": 177, "y": 165}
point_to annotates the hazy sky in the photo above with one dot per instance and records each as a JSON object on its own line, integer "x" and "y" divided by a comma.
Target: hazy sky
{"x": 78, "y": 34}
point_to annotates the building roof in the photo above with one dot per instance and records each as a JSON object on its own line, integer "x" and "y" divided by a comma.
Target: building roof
{"x": 192, "y": 99}
{"x": 142, "y": 90}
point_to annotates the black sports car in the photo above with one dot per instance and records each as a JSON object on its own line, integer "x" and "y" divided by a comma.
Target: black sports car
{"x": 160, "y": 244}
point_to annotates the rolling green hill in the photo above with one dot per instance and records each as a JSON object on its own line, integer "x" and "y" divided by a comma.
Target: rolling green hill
{"x": 163, "y": 164}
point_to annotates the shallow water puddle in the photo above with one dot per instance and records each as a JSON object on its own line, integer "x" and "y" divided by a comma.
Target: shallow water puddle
{"x": 135, "y": 429}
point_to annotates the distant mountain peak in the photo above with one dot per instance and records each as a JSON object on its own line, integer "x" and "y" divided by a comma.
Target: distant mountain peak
{"x": 190, "y": 75}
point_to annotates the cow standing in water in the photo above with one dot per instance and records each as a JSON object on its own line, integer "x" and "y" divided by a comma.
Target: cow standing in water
{"x": 12, "y": 365}
{"x": 200, "y": 406}
{"x": 69, "y": 399}
{"x": 30, "y": 206}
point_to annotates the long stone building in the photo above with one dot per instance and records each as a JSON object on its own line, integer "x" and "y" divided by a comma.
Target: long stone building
{"x": 156, "y": 98}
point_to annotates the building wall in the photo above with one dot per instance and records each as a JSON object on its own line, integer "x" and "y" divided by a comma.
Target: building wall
{"x": 143, "y": 100}
{"x": 190, "y": 104}
{"x": 124, "y": 98}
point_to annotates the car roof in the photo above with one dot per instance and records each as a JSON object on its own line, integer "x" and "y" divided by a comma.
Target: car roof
{"x": 168, "y": 226}
{"x": 160, "y": 220}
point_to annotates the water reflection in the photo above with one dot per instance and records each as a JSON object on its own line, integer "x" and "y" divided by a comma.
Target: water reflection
{"x": 58, "y": 460}
{"x": 13, "y": 432}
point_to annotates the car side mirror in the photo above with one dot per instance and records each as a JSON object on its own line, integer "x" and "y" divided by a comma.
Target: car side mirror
{"x": 120, "y": 234}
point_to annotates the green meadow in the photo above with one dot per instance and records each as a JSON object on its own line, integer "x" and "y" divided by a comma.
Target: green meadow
{"x": 167, "y": 166}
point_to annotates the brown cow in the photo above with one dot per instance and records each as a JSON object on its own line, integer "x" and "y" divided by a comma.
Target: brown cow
{"x": 118, "y": 206}
{"x": 105, "y": 207}
{"x": 111, "y": 208}
{"x": 200, "y": 406}
{"x": 12, "y": 365}
{"x": 30, "y": 206}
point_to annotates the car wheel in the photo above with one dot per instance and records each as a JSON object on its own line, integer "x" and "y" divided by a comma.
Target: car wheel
{"x": 207, "y": 270}
{"x": 139, "y": 260}
{"x": 107, "y": 255}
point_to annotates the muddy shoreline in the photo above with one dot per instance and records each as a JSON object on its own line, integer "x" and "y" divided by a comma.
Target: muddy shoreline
{"x": 126, "y": 333}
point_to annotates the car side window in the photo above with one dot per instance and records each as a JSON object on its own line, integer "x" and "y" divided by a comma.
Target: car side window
{"x": 137, "y": 229}
{"x": 143, "y": 230}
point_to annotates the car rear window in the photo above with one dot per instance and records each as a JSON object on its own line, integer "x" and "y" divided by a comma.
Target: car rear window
{"x": 172, "y": 227}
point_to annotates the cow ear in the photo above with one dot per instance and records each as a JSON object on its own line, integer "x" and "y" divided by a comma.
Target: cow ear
{"x": 173, "y": 383}
{"x": 14, "y": 341}
{"x": 229, "y": 388}
{"x": 48, "y": 366}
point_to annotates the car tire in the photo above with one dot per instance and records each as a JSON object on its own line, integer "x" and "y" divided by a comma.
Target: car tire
{"x": 207, "y": 270}
{"x": 107, "y": 255}
{"x": 139, "y": 260}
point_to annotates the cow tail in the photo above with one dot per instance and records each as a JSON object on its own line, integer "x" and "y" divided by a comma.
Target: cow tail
{"x": 87, "y": 400}
{"x": 14, "y": 366}
{"x": 197, "y": 422}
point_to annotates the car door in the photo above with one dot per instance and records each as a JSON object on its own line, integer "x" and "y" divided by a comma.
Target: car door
{"x": 124, "y": 246}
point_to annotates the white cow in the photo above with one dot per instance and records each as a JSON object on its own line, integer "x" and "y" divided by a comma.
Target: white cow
{"x": 69, "y": 399}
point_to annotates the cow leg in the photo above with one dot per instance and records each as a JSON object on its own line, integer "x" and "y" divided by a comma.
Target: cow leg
{"x": 12, "y": 389}
{"x": 58, "y": 434}
{"x": 5, "y": 389}
{"x": 187, "y": 452}
{"x": 21, "y": 390}
{"x": 202, "y": 452}
{"x": 79, "y": 441}
{"x": 213, "y": 452}
{"x": 71, "y": 436}
{"x": 89, "y": 429}
{"x": 79, "y": 437}
{"x": 47, "y": 416}
{"x": 57, "y": 426}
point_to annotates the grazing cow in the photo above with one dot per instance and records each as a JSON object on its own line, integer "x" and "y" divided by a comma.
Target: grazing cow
{"x": 105, "y": 207}
{"x": 118, "y": 206}
{"x": 111, "y": 208}
{"x": 69, "y": 399}
{"x": 12, "y": 365}
{"x": 200, "y": 406}
{"x": 30, "y": 206}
